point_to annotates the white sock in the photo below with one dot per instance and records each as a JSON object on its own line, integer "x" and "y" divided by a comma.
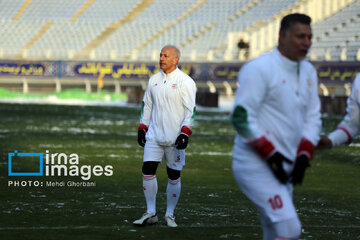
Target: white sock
{"x": 150, "y": 188}
{"x": 173, "y": 193}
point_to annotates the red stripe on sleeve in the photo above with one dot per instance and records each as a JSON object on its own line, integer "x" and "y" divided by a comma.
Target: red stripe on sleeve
{"x": 347, "y": 133}
{"x": 186, "y": 130}
{"x": 142, "y": 127}
{"x": 262, "y": 146}
{"x": 306, "y": 147}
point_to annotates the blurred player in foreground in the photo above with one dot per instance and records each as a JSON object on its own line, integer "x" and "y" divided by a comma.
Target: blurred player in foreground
{"x": 350, "y": 125}
{"x": 277, "y": 118}
{"x": 167, "y": 114}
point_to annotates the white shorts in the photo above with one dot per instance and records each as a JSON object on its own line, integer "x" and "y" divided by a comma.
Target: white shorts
{"x": 175, "y": 158}
{"x": 254, "y": 177}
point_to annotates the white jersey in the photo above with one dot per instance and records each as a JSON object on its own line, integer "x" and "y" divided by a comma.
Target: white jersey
{"x": 281, "y": 101}
{"x": 168, "y": 105}
{"x": 349, "y": 126}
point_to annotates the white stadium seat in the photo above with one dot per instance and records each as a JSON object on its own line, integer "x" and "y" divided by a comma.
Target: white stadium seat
{"x": 200, "y": 31}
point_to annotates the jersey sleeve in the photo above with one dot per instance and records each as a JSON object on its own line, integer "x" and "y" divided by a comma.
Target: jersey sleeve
{"x": 248, "y": 99}
{"x": 146, "y": 106}
{"x": 312, "y": 126}
{"x": 188, "y": 89}
{"x": 349, "y": 126}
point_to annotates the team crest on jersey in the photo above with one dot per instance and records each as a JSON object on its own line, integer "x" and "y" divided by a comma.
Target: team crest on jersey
{"x": 309, "y": 82}
{"x": 174, "y": 85}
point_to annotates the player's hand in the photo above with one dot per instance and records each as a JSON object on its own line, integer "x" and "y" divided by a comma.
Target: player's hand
{"x": 141, "y": 137}
{"x": 302, "y": 162}
{"x": 182, "y": 141}
{"x": 324, "y": 143}
{"x": 275, "y": 162}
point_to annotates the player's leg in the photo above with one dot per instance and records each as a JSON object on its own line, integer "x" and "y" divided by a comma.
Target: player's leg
{"x": 285, "y": 230}
{"x": 152, "y": 157}
{"x": 175, "y": 160}
{"x": 150, "y": 185}
{"x": 272, "y": 198}
{"x": 288, "y": 230}
{"x": 172, "y": 191}
{"x": 267, "y": 226}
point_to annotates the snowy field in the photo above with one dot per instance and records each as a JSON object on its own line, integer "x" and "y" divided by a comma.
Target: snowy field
{"x": 211, "y": 206}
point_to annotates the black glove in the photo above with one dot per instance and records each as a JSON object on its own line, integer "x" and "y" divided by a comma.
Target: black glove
{"x": 276, "y": 164}
{"x": 302, "y": 162}
{"x": 141, "y": 137}
{"x": 182, "y": 141}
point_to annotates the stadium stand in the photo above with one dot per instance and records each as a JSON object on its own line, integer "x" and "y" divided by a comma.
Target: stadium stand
{"x": 263, "y": 35}
{"x": 206, "y": 30}
{"x": 340, "y": 41}
{"x": 51, "y": 45}
{"x": 168, "y": 14}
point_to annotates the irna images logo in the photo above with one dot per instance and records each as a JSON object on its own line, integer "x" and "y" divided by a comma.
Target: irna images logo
{"x": 54, "y": 164}
{"x": 16, "y": 154}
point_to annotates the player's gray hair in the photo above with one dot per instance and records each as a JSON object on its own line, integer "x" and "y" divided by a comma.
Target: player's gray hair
{"x": 177, "y": 51}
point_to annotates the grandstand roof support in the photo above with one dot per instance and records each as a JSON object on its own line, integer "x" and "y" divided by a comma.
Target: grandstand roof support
{"x": 161, "y": 31}
{"x": 22, "y": 9}
{"x": 109, "y": 30}
{"x": 243, "y": 10}
{"x": 202, "y": 31}
{"x": 81, "y": 10}
{"x": 34, "y": 39}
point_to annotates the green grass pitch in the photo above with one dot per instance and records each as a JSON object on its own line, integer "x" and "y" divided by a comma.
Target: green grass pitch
{"x": 210, "y": 207}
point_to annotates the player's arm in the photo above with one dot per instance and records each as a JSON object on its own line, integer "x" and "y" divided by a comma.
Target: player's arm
{"x": 188, "y": 89}
{"x": 311, "y": 131}
{"x": 312, "y": 126}
{"x": 349, "y": 126}
{"x": 337, "y": 137}
{"x": 248, "y": 100}
{"x": 146, "y": 107}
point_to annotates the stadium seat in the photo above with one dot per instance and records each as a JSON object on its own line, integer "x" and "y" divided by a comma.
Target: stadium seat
{"x": 203, "y": 32}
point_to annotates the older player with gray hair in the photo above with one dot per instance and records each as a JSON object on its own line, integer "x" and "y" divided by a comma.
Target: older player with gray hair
{"x": 167, "y": 114}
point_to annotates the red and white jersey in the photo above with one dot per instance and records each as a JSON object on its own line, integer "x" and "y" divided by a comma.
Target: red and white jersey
{"x": 349, "y": 126}
{"x": 168, "y": 106}
{"x": 281, "y": 103}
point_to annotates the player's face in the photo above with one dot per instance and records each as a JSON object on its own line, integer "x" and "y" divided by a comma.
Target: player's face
{"x": 168, "y": 59}
{"x": 296, "y": 42}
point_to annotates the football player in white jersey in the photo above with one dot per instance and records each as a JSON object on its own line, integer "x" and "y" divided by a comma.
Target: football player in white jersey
{"x": 277, "y": 118}
{"x": 349, "y": 127}
{"x": 167, "y": 115}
